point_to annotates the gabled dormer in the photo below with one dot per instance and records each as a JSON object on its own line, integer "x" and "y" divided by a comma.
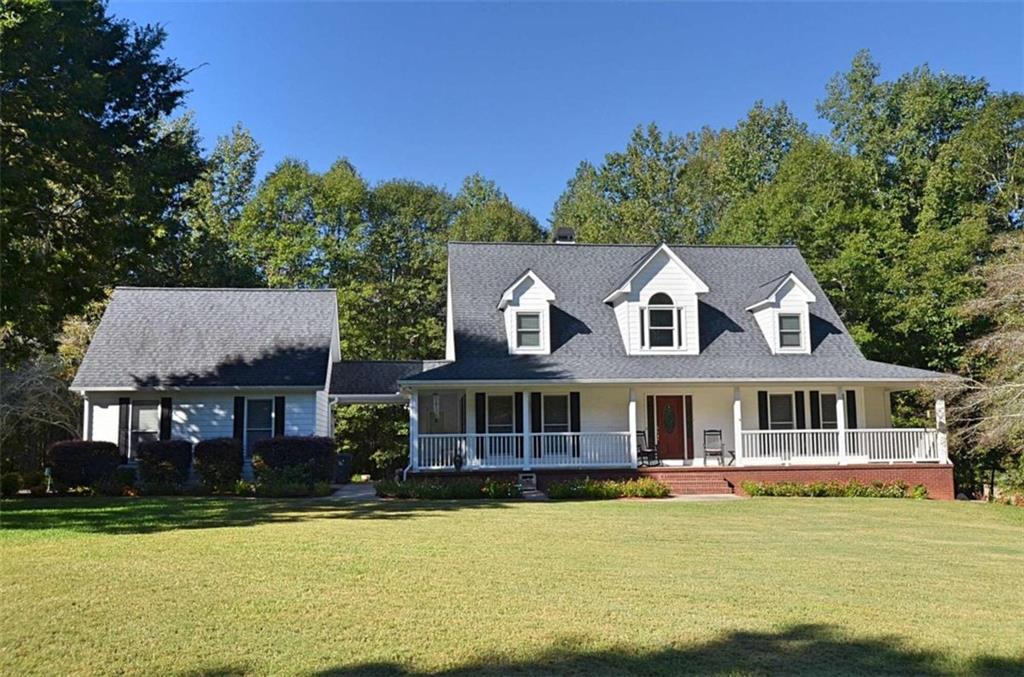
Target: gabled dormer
{"x": 781, "y": 308}
{"x": 656, "y": 306}
{"x": 526, "y": 304}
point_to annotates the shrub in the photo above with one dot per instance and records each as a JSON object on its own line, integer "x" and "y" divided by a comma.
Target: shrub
{"x": 283, "y": 483}
{"x": 83, "y": 463}
{"x": 851, "y": 489}
{"x": 219, "y": 463}
{"x": 446, "y": 489}
{"x": 10, "y": 484}
{"x": 164, "y": 464}
{"x": 317, "y": 456}
{"x": 591, "y": 489}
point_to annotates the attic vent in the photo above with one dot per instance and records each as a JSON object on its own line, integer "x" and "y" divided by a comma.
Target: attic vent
{"x": 565, "y": 236}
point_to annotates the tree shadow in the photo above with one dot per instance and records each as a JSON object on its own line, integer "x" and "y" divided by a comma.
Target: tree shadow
{"x": 810, "y": 649}
{"x": 126, "y": 516}
{"x": 298, "y": 365}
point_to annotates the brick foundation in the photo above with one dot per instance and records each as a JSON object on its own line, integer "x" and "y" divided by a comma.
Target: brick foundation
{"x": 937, "y": 478}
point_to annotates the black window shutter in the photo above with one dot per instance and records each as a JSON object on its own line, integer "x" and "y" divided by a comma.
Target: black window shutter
{"x": 165, "y": 418}
{"x": 689, "y": 425}
{"x": 643, "y": 333}
{"x": 574, "y": 412}
{"x": 279, "y": 416}
{"x": 535, "y": 413}
{"x": 762, "y": 409}
{"x": 682, "y": 336}
{"x": 122, "y": 424}
{"x": 851, "y": 409}
{"x": 798, "y": 403}
{"x": 517, "y": 416}
{"x": 481, "y": 413}
{"x": 815, "y": 409}
{"x": 239, "y": 420}
{"x": 651, "y": 432}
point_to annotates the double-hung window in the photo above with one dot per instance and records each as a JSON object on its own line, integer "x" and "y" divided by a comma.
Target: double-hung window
{"x": 556, "y": 414}
{"x": 789, "y": 331}
{"x": 500, "y": 414}
{"x": 662, "y": 322}
{"x": 259, "y": 421}
{"x": 780, "y": 412}
{"x": 528, "y": 330}
{"x": 145, "y": 424}
{"x": 828, "y": 411}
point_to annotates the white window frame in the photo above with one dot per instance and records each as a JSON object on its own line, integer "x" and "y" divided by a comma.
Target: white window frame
{"x": 792, "y": 411}
{"x": 520, "y": 348}
{"x": 273, "y": 414}
{"x": 831, "y": 409}
{"x": 132, "y": 451}
{"x": 543, "y": 413}
{"x": 678, "y": 326}
{"x": 511, "y": 425}
{"x": 799, "y": 331}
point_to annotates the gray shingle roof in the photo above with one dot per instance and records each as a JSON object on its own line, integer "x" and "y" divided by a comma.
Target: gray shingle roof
{"x": 586, "y": 344}
{"x": 375, "y": 377}
{"x": 166, "y": 337}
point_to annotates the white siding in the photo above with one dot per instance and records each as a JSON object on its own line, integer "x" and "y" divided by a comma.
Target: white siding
{"x": 200, "y": 416}
{"x": 104, "y": 416}
{"x": 661, "y": 275}
{"x": 791, "y": 301}
{"x": 323, "y": 415}
{"x": 529, "y": 297}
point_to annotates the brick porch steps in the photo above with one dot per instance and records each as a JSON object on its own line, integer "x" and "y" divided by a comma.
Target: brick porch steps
{"x": 689, "y": 483}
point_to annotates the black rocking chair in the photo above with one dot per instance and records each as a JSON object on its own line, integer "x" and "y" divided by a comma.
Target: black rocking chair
{"x": 646, "y": 454}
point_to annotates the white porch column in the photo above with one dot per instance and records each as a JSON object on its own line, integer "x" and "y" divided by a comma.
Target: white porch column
{"x": 527, "y": 434}
{"x": 85, "y": 417}
{"x": 737, "y": 424}
{"x": 631, "y": 414}
{"x": 841, "y": 423}
{"x": 414, "y": 429}
{"x": 940, "y": 425}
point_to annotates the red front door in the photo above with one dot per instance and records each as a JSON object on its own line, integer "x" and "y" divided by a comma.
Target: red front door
{"x": 669, "y": 414}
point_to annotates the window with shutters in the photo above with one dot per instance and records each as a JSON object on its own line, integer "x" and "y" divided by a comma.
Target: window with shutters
{"x": 828, "y": 411}
{"x": 500, "y": 414}
{"x": 259, "y": 421}
{"x": 145, "y": 424}
{"x": 780, "y": 412}
{"x": 556, "y": 414}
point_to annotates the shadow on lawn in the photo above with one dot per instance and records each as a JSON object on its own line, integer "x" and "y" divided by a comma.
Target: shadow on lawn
{"x": 150, "y": 515}
{"x": 798, "y": 650}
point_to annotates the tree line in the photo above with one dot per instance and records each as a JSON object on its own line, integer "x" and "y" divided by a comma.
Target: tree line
{"x": 908, "y": 211}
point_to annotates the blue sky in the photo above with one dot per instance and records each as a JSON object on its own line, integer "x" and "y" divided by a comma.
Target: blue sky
{"x": 523, "y": 92}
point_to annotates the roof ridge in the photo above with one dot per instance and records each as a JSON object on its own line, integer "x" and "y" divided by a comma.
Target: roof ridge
{"x": 277, "y": 289}
{"x": 628, "y": 244}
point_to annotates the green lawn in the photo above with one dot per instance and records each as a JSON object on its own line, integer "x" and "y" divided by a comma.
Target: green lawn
{"x": 763, "y": 586}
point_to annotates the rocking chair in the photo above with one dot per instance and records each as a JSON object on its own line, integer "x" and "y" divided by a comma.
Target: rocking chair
{"x": 646, "y": 454}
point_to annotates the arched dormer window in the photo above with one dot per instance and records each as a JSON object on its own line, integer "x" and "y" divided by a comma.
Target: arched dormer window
{"x": 661, "y": 322}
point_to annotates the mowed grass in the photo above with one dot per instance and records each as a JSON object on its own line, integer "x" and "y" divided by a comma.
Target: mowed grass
{"x": 762, "y": 586}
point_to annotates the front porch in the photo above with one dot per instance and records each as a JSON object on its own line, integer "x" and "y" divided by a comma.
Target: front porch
{"x": 598, "y": 427}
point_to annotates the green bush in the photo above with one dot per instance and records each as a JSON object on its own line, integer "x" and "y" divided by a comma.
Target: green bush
{"x": 290, "y": 481}
{"x": 82, "y": 463}
{"x": 851, "y": 489}
{"x": 10, "y": 484}
{"x": 219, "y": 463}
{"x": 447, "y": 489}
{"x": 316, "y": 456}
{"x": 591, "y": 489}
{"x": 164, "y": 464}
{"x": 121, "y": 484}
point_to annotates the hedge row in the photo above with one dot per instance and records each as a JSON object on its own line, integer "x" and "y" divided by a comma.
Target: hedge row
{"x": 851, "y": 489}
{"x": 462, "y": 488}
{"x": 589, "y": 489}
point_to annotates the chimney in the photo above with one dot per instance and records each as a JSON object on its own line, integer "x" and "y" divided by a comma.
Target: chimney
{"x": 565, "y": 236}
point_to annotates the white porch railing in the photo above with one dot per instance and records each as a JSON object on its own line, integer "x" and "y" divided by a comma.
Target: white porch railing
{"x": 897, "y": 445}
{"x": 883, "y": 445}
{"x": 519, "y": 451}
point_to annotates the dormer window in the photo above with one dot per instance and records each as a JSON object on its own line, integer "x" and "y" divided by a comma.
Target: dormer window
{"x": 662, "y": 320}
{"x": 528, "y": 330}
{"x": 789, "y": 332}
